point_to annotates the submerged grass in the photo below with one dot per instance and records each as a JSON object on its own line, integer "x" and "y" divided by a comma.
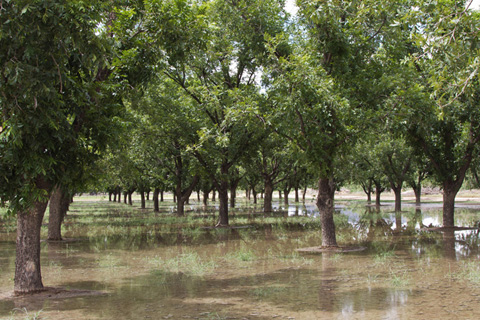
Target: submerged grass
{"x": 470, "y": 271}
{"x": 189, "y": 263}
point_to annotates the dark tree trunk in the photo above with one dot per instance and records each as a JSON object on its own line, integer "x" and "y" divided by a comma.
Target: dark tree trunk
{"x": 233, "y": 196}
{"x": 198, "y": 196}
{"x": 449, "y": 194}
{"x": 223, "y": 197}
{"x": 280, "y": 194}
{"x": 418, "y": 195}
{"x": 398, "y": 198}
{"x": 130, "y": 202}
{"x": 378, "y": 191}
{"x": 180, "y": 207}
{"x": 183, "y": 196}
{"x": 304, "y": 194}
{"x": 267, "y": 203}
{"x": 367, "y": 188}
{"x": 115, "y": 197}
{"x": 110, "y": 196}
{"x": 254, "y": 193}
{"x": 156, "y": 207}
{"x": 59, "y": 203}
{"x": 247, "y": 194}
{"x": 213, "y": 196}
{"x": 297, "y": 198}
{"x": 205, "y": 198}
{"x": 125, "y": 196}
{"x": 119, "y": 196}
{"x": 161, "y": 195}
{"x": 147, "y": 195}
{"x": 325, "y": 202}
{"x": 285, "y": 196}
{"x": 174, "y": 197}
{"x": 142, "y": 197}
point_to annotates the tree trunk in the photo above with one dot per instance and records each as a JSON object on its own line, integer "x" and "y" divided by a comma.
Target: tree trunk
{"x": 247, "y": 194}
{"x": 125, "y": 195}
{"x": 304, "y": 194}
{"x": 280, "y": 194}
{"x": 449, "y": 194}
{"x": 180, "y": 207}
{"x": 110, "y": 197}
{"x": 147, "y": 195}
{"x": 418, "y": 194}
{"x": 156, "y": 207}
{"x": 142, "y": 197}
{"x": 198, "y": 196}
{"x": 285, "y": 196}
{"x": 59, "y": 203}
{"x": 223, "y": 197}
{"x": 378, "y": 192}
{"x": 267, "y": 203}
{"x": 119, "y": 198}
{"x": 398, "y": 198}
{"x": 297, "y": 198}
{"x": 213, "y": 196}
{"x": 28, "y": 276}
{"x": 161, "y": 195}
{"x": 325, "y": 202}
{"x": 254, "y": 193}
{"x": 233, "y": 196}
{"x": 205, "y": 198}
{"x": 130, "y": 202}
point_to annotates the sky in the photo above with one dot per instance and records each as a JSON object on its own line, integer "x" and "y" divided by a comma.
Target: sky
{"x": 292, "y": 9}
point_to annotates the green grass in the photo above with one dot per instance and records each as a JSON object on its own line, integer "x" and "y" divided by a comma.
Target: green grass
{"x": 26, "y": 314}
{"x": 189, "y": 263}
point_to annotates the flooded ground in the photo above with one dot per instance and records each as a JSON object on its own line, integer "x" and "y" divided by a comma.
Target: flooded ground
{"x": 156, "y": 266}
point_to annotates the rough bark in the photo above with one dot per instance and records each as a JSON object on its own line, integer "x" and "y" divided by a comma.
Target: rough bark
{"x": 297, "y": 197}
{"x": 28, "y": 275}
{"x": 325, "y": 202}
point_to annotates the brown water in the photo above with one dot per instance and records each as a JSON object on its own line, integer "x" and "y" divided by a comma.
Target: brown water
{"x": 151, "y": 271}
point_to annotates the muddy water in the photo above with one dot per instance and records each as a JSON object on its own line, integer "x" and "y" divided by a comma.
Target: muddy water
{"x": 149, "y": 270}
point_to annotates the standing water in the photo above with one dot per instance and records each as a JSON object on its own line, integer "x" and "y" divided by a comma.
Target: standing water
{"x": 120, "y": 262}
